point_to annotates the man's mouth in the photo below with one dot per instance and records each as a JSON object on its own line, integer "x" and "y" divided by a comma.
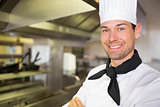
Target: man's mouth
{"x": 115, "y": 47}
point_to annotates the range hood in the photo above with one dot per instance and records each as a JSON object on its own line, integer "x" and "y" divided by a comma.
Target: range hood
{"x": 28, "y": 12}
{"x": 77, "y": 19}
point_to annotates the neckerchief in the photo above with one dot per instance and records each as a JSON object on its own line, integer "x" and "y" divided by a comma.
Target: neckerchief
{"x": 125, "y": 67}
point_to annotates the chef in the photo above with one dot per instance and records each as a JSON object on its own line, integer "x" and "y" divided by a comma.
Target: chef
{"x": 124, "y": 81}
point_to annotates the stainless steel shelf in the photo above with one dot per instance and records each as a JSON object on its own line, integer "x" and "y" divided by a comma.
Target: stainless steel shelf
{"x": 10, "y": 43}
{"x": 23, "y": 93}
{"x": 4, "y": 56}
{"x": 17, "y": 86}
{"x": 8, "y": 76}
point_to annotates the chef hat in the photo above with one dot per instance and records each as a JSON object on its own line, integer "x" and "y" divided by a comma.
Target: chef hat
{"x": 118, "y": 10}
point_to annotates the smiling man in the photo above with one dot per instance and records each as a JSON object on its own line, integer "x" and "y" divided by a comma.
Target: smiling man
{"x": 124, "y": 81}
{"x": 118, "y": 38}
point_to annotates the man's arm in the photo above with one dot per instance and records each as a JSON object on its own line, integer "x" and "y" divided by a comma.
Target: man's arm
{"x": 154, "y": 103}
{"x": 79, "y": 97}
{"x": 82, "y": 92}
{"x": 75, "y": 102}
{"x": 150, "y": 95}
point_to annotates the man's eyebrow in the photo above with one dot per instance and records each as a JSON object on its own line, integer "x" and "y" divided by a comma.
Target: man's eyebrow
{"x": 104, "y": 27}
{"x": 121, "y": 24}
{"x": 116, "y": 25}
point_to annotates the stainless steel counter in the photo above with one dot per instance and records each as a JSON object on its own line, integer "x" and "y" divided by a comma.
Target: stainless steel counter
{"x": 34, "y": 94}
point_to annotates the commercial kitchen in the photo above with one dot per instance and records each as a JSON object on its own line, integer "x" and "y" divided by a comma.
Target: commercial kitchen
{"x": 47, "y": 48}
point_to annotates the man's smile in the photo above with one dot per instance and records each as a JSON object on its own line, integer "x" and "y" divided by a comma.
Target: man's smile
{"x": 115, "y": 46}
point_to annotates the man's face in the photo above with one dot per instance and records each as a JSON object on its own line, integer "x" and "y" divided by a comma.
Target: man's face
{"x": 118, "y": 38}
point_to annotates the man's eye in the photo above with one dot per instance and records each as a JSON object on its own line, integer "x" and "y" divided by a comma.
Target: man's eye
{"x": 121, "y": 29}
{"x": 105, "y": 30}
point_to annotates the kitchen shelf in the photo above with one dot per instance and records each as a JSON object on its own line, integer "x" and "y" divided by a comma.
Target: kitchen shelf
{"x": 8, "y": 76}
{"x": 23, "y": 93}
{"x": 4, "y": 56}
{"x": 10, "y": 43}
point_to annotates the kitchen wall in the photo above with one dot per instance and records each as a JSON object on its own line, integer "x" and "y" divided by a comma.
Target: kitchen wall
{"x": 154, "y": 37}
{"x": 148, "y": 45}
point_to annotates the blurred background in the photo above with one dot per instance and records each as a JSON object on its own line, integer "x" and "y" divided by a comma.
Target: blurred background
{"x": 47, "y": 48}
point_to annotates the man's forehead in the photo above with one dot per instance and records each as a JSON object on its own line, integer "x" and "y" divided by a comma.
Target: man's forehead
{"x": 115, "y": 23}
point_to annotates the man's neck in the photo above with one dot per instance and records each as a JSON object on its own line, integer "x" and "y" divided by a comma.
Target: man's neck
{"x": 116, "y": 63}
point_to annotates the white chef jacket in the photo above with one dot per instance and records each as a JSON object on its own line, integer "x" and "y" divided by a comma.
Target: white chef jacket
{"x": 138, "y": 88}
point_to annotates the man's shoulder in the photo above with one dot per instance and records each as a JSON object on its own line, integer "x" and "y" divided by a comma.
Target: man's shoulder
{"x": 150, "y": 82}
{"x": 96, "y": 69}
{"x": 148, "y": 69}
{"x": 148, "y": 75}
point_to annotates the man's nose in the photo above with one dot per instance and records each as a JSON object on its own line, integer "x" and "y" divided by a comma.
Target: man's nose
{"x": 113, "y": 36}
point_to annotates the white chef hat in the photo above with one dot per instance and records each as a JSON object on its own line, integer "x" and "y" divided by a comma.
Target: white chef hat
{"x": 118, "y": 10}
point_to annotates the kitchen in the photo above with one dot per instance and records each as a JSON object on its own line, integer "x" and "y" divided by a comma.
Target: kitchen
{"x": 62, "y": 38}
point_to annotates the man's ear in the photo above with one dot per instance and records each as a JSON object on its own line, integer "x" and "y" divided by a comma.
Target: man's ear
{"x": 138, "y": 30}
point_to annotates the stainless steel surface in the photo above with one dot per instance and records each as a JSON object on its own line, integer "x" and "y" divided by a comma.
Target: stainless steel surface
{"x": 34, "y": 94}
{"x": 59, "y": 28}
{"x": 21, "y": 97}
{"x": 55, "y": 79}
{"x": 87, "y": 21}
{"x": 59, "y": 99}
{"x": 8, "y": 76}
{"x": 19, "y": 86}
{"x": 7, "y": 5}
{"x": 51, "y": 30}
{"x": 30, "y": 14}
{"x": 78, "y": 27}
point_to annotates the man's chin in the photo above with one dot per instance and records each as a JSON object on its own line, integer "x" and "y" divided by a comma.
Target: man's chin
{"x": 116, "y": 57}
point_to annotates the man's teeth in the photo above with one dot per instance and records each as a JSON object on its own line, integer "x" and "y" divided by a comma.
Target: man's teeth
{"x": 115, "y": 46}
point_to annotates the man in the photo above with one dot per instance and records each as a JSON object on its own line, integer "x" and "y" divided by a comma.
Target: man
{"x": 124, "y": 81}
